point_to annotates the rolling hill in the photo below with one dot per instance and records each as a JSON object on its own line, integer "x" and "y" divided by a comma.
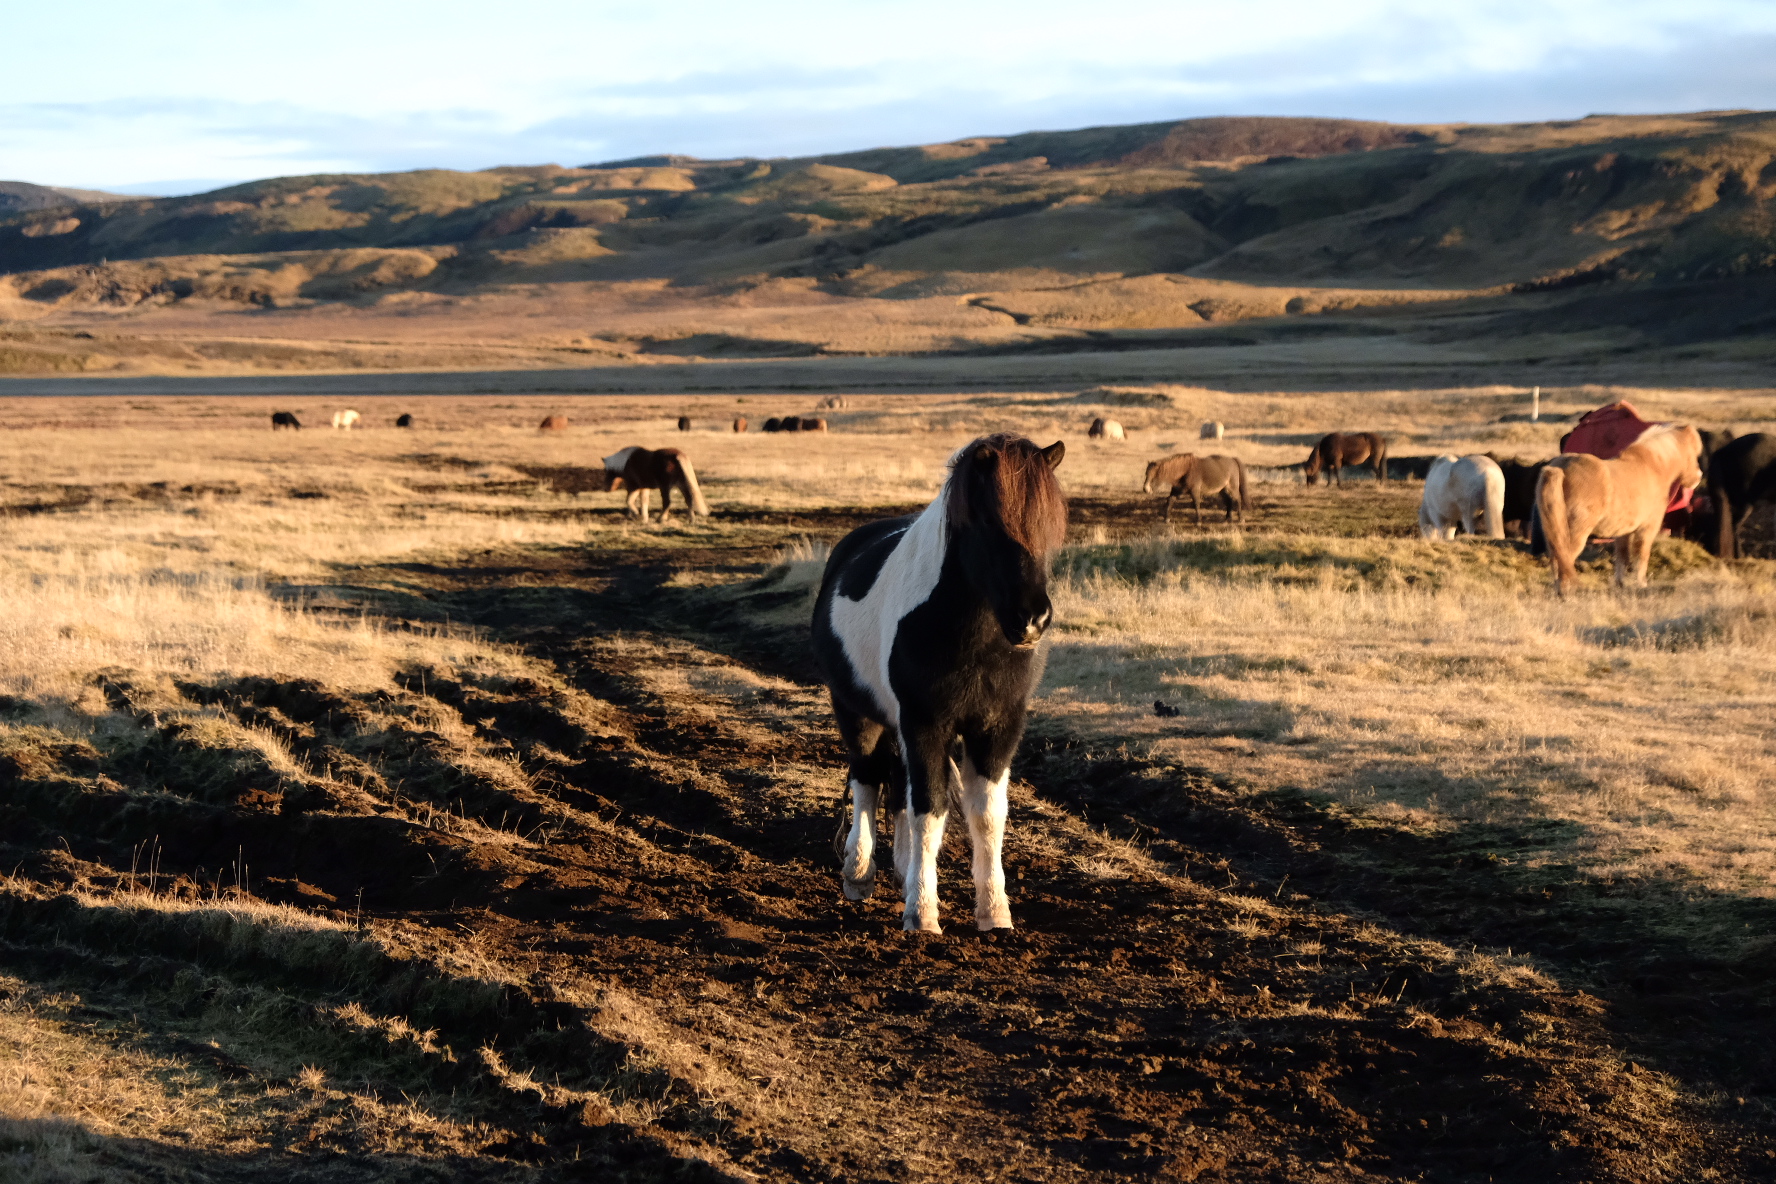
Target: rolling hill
{"x": 1605, "y": 236}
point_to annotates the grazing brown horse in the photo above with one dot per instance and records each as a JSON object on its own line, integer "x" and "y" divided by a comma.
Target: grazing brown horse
{"x": 684, "y": 423}
{"x": 815, "y": 424}
{"x": 1624, "y": 498}
{"x": 739, "y": 423}
{"x": 1337, "y": 449}
{"x": 1200, "y": 477}
{"x": 553, "y": 423}
{"x": 665, "y": 469}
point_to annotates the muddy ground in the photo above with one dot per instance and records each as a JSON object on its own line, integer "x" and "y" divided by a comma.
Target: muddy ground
{"x": 636, "y": 964}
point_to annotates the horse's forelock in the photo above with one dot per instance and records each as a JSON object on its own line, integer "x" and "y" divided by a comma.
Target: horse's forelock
{"x": 1020, "y": 487}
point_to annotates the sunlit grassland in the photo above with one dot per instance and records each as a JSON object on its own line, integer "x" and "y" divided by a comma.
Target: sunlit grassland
{"x": 1420, "y": 684}
{"x": 1439, "y": 684}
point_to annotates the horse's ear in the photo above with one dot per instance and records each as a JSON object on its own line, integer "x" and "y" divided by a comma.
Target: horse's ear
{"x": 1054, "y": 452}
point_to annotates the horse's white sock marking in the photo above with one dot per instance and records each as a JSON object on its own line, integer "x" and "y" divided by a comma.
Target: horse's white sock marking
{"x": 984, "y": 802}
{"x": 926, "y": 839}
{"x": 860, "y": 868}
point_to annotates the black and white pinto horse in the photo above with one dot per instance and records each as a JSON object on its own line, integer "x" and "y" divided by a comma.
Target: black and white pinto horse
{"x": 927, "y": 629}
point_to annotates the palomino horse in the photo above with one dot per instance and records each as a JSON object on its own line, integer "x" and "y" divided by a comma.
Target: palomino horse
{"x": 345, "y": 420}
{"x": 1624, "y": 498}
{"x": 1468, "y": 491}
{"x": 665, "y": 469}
{"x": 1200, "y": 477}
{"x": 927, "y": 630}
{"x": 1337, "y": 449}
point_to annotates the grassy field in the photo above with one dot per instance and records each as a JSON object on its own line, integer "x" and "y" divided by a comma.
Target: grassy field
{"x": 385, "y": 805}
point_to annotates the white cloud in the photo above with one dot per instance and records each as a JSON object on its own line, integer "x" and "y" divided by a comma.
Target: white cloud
{"x": 243, "y": 90}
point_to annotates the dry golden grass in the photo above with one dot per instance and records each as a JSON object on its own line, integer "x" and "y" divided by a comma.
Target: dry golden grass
{"x": 1416, "y": 682}
{"x": 1440, "y": 684}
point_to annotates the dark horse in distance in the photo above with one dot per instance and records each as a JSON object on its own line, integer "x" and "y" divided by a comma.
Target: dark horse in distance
{"x": 1741, "y": 474}
{"x": 1337, "y": 449}
{"x": 927, "y": 629}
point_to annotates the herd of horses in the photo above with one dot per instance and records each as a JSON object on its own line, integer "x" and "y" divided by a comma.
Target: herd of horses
{"x": 927, "y": 627}
{"x": 1618, "y": 479}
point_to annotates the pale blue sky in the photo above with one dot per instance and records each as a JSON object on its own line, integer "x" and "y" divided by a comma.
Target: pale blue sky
{"x": 172, "y": 97}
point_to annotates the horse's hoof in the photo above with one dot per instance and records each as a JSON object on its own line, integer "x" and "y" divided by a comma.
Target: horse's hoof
{"x": 860, "y": 889}
{"x": 990, "y": 922}
{"x": 921, "y": 925}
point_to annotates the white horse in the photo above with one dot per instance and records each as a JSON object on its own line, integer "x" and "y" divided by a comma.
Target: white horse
{"x": 1468, "y": 491}
{"x": 1105, "y": 429}
{"x": 345, "y": 420}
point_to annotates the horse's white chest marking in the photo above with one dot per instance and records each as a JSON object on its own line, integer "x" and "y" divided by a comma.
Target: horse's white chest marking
{"x": 908, "y": 577}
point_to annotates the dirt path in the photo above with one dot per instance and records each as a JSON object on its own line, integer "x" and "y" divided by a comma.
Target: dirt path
{"x": 630, "y": 958}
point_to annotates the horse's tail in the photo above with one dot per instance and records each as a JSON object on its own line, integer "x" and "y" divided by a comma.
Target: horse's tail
{"x": 1551, "y": 502}
{"x": 693, "y": 492}
{"x": 1379, "y": 446}
{"x": 1494, "y": 494}
{"x": 1245, "y": 492}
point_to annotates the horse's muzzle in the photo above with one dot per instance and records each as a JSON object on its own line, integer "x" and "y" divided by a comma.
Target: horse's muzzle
{"x": 1034, "y": 628}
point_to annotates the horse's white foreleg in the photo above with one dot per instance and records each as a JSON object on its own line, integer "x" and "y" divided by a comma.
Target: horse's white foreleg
{"x": 860, "y": 845}
{"x": 924, "y": 840}
{"x": 984, "y": 805}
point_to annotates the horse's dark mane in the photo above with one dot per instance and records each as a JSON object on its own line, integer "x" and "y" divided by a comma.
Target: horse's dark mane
{"x": 1021, "y": 491}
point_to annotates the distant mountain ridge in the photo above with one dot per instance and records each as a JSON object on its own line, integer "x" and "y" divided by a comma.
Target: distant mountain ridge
{"x": 1085, "y": 239}
{"x": 19, "y": 196}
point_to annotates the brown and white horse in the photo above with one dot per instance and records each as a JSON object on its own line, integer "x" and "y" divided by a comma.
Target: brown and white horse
{"x": 1625, "y": 497}
{"x": 638, "y": 470}
{"x": 1337, "y": 449}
